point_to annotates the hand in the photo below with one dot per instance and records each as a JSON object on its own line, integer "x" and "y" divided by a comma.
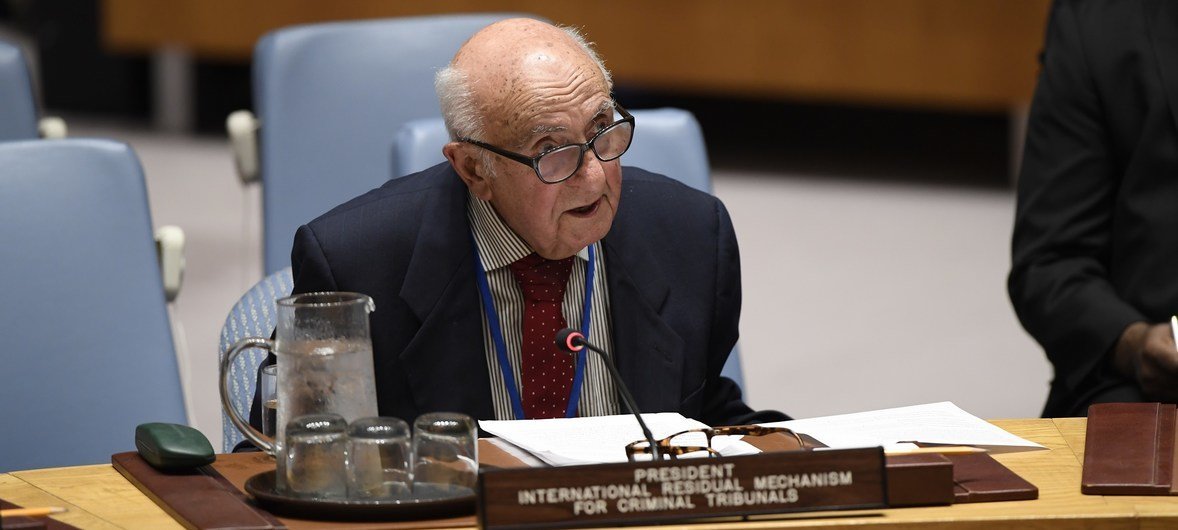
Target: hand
{"x": 1146, "y": 353}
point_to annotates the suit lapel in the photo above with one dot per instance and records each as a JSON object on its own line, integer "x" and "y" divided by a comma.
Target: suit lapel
{"x": 1162, "y": 18}
{"x": 649, "y": 354}
{"x": 445, "y": 360}
{"x": 440, "y": 289}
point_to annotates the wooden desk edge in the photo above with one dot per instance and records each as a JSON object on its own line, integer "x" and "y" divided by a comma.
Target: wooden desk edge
{"x": 54, "y": 485}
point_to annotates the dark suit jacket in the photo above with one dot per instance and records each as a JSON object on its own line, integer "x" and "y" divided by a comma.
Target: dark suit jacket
{"x": 673, "y": 278}
{"x": 1095, "y": 244}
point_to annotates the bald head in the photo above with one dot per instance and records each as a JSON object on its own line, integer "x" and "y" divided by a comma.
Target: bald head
{"x": 496, "y": 75}
{"x": 517, "y": 91}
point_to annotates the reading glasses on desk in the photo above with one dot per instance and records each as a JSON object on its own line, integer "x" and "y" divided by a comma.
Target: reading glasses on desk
{"x": 700, "y": 441}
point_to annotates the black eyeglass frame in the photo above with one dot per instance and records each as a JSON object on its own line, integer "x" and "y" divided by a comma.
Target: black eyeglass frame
{"x": 534, "y": 161}
{"x": 641, "y": 447}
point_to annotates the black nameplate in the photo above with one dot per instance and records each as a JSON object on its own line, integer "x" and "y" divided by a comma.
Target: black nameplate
{"x": 793, "y": 481}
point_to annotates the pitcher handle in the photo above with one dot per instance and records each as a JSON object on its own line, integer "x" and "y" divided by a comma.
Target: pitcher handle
{"x": 263, "y": 442}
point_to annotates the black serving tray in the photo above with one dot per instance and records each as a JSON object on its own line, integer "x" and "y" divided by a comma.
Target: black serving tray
{"x": 427, "y": 501}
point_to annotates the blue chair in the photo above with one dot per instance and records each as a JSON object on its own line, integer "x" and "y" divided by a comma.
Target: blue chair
{"x": 252, "y": 316}
{"x": 329, "y": 98}
{"x": 18, "y": 107}
{"x": 88, "y": 351}
{"x": 667, "y": 141}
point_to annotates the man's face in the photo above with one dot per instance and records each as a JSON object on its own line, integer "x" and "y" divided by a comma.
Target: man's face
{"x": 552, "y": 103}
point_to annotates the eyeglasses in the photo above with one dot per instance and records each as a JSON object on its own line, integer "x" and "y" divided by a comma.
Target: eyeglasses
{"x": 700, "y": 441}
{"x": 559, "y": 163}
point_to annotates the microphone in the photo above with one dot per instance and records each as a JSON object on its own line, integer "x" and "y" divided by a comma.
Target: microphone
{"x": 571, "y": 341}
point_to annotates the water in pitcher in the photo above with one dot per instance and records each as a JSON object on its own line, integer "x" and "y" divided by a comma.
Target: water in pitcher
{"x": 317, "y": 377}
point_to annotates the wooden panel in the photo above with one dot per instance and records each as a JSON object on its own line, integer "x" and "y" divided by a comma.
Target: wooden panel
{"x": 1073, "y": 431}
{"x": 966, "y": 54}
{"x": 96, "y": 496}
{"x": 23, "y": 494}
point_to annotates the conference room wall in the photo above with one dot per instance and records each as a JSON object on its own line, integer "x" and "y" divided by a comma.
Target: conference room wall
{"x": 861, "y": 295}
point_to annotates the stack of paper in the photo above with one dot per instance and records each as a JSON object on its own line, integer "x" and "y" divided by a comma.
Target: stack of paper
{"x": 598, "y": 440}
{"x": 934, "y": 423}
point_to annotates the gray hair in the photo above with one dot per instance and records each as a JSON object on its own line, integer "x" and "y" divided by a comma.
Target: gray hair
{"x": 457, "y": 102}
{"x": 457, "y": 99}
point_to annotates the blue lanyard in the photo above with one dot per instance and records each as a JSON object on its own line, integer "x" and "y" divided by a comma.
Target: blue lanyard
{"x": 501, "y": 346}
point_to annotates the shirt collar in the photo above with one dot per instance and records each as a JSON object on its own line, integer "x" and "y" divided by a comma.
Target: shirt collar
{"x": 499, "y": 245}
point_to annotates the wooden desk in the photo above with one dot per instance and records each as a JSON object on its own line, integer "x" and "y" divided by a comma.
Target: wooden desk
{"x": 98, "y": 497}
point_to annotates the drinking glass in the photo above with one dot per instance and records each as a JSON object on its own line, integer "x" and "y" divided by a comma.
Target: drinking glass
{"x": 316, "y": 456}
{"x": 444, "y": 451}
{"x": 379, "y": 459}
{"x": 269, "y": 390}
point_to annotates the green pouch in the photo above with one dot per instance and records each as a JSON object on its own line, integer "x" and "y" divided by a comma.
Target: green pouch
{"x": 168, "y": 446}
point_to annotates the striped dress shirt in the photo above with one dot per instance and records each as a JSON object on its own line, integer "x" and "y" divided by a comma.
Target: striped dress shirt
{"x": 499, "y": 247}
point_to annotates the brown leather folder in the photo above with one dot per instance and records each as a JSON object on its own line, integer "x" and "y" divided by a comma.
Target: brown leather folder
{"x": 197, "y": 499}
{"x": 932, "y": 479}
{"x": 979, "y": 478}
{"x": 213, "y": 497}
{"x": 1129, "y": 449}
{"x": 913, "y": 480}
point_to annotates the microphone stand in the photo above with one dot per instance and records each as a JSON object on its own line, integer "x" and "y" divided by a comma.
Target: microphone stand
{"x": 563, "y": 342}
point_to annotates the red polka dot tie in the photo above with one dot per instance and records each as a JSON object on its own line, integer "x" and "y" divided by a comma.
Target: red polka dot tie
{"x": 547, "y": 373}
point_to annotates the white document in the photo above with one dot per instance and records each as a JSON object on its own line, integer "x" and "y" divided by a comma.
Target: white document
{"x": 600, "y": 439}
{"x": 934, "y": 423}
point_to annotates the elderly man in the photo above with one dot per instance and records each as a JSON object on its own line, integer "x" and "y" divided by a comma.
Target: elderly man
{"x": 475, "y": 264}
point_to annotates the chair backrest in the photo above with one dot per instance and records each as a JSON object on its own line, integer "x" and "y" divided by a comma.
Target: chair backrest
{"x": 87, "y": 348}
{"x": 667, "y": 141}
{"x": 329, "y": 98}
{"x": 18, "y": 106}
{"x": 252, "y": 316}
